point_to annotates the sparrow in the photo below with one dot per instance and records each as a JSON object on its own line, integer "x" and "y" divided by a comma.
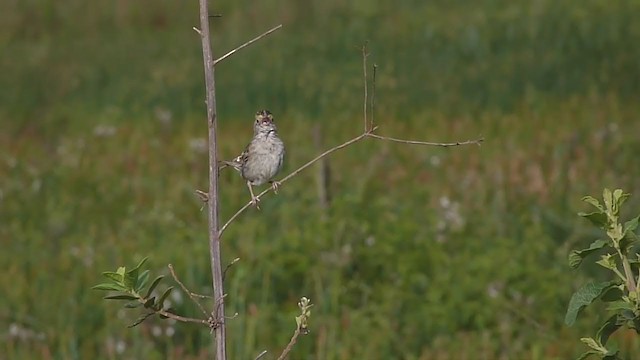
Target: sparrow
{"x": 263, "y": 157}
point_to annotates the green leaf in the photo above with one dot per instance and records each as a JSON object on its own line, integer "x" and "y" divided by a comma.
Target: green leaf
{"x": 593, "y": 201}
{"x": 583, "y": 297}
{"x": 628, "y": 240}
{"x": 131, "y": 276}
{"x": 612, "y": 294}
{"x": 109, "y": 287}
{"x": 121, "y": 297}
{"x": 150, "y": 303}
{"x": 619, "y": 305}
{"x": 630, "y": 237}
{"x": 576, "y": 256}
{"x": 164, "y": 296}
{"x": 139, "y": 320}
{"x": 592, "y": 344}
{"x": 142, "y": 280}
{"x": 597, "y": 218}
{"x": 130, "y": 280}
{"x": 132, "y": 305}
{"x": 609, "y": 327}
{"x": 607, "y": 261}
{"x": 144, "y": 260}
{"x": 154, "y": 284}
{"x": 114, "y": 276}
{"x": 619, "y": 197}
{"x": 607, "y": 196}
{"x": 612, "y": 354}
{"x": 632, "y": 224}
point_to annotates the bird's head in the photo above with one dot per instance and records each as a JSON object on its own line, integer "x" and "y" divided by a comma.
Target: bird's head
{"x": 264, "y": 122}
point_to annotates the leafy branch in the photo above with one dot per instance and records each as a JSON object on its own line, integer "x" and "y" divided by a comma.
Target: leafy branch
{"x": 131, "y": 286}
{"x": 621, "y": 293}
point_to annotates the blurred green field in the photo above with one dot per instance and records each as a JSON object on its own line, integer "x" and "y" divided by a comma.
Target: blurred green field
{"x": 423, "y": 253}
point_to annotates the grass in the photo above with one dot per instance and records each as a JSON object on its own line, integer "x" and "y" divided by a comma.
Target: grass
{"x": 424, "y": 253}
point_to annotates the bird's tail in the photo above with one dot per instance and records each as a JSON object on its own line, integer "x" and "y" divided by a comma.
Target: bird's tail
{"x": 235, "y": 163}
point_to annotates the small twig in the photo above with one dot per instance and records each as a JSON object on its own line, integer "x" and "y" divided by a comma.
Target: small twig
{"x": 197, "y": 30}
{"x": 224, "y": 272}
{"x": 215, "y": 16}
{"x": 373, "y": 95}
{"x": 246, "y": 44}
{"x": 235, "y": 315}
{"x": 191, "y": 294}
{"x": 414, "y": 142}
{"x": 365, "y": 54}
{"x": 202, "y": 195}
{"x": 171, "y": 315}
{"x": 263, "y": 353}
{"x": 218, "y": 313}
{"x": 182, "y": 318}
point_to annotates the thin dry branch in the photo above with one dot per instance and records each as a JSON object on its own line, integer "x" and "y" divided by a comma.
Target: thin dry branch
{"x": 290, "y": 345}
{"x": 246, "y": 44}
{"x": 229, "y": 265}
{"x": 183, "y": 318}
{"x": 209, "y": 322}
{"x": 373, "y": 95}
{"x": 415, "y": 142}
{"x": 191, "y": 294}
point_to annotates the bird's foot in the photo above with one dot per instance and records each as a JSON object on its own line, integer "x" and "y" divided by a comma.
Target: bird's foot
{"x": 255, "y": 201}
{"x": 275, "y": 185}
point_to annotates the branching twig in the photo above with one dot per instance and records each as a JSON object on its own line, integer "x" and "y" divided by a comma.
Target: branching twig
{"x": 192, "y": 295}
{"x": 246, "y": 44}
{"x": 301, "y": 326}
{"x": 369, "y": 129}
{"x": 169, "y": 315}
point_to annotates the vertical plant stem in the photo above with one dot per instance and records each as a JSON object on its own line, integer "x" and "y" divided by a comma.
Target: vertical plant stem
{"x": 213, "y": 203}
{"x": 631, "y": 282}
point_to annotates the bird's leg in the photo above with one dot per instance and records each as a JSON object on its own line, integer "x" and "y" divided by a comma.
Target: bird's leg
{"x": 275, "y": 185}
{"x": 254, "y": 199}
